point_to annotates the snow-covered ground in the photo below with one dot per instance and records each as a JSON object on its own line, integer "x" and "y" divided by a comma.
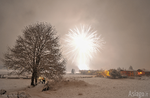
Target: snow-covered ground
{"x": 83, "y": 87}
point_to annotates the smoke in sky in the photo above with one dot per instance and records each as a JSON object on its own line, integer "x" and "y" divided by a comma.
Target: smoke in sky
{"x": 123, "y": 23}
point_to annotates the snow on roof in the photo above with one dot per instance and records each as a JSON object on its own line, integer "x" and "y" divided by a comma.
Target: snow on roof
{"x": 129, "y": 70}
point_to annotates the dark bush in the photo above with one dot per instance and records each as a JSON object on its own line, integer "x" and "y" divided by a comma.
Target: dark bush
{"x": 115, "y": 74}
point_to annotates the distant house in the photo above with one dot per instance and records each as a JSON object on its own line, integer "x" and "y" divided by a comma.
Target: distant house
{"x": 139, "y": 72}
{"x": 143, "y": 72}
{"x": 128, "y": 72}
{"x": 105, "y": 73}
{"x": 147, "y": 73}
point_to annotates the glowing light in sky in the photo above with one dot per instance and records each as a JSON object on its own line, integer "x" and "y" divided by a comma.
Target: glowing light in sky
{"x": 82, "y": 43}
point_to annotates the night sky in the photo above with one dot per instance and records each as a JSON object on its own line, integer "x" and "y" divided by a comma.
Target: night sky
{"x": 124, "y": 25}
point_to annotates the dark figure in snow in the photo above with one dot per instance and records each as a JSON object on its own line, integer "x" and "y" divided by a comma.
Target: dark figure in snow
{"x": 43, "y": 80}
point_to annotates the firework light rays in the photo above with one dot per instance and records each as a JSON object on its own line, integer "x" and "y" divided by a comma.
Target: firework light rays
{"x": 81, "y": 45}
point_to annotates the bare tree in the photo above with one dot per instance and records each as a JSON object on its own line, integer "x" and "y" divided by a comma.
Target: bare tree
{"x": 37, "y": 52}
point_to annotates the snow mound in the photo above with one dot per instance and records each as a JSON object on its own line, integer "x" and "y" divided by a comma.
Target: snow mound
{"x": 73, "y": 83}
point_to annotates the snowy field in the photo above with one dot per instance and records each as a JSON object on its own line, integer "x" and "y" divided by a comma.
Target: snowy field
{"x": 86, "y": 86}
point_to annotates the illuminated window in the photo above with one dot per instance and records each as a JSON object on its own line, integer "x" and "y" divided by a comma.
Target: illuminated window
{"x": 140, "y": 72}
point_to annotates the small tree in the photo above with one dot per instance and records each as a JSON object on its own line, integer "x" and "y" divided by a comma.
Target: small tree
{"x": 118, "y": 68}
{"x": 36, "y": 52}
{"x": 130, "y": 68}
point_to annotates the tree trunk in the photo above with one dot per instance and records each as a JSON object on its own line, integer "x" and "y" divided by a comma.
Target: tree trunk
{"x": 36, "y": 78}
{"x": 36, "y": 81}
{"x": 32, "y": 79}
{"x": 36, "y": 71}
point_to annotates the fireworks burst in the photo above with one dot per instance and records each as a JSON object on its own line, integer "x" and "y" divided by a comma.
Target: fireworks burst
{"x": 82, "y": 43}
